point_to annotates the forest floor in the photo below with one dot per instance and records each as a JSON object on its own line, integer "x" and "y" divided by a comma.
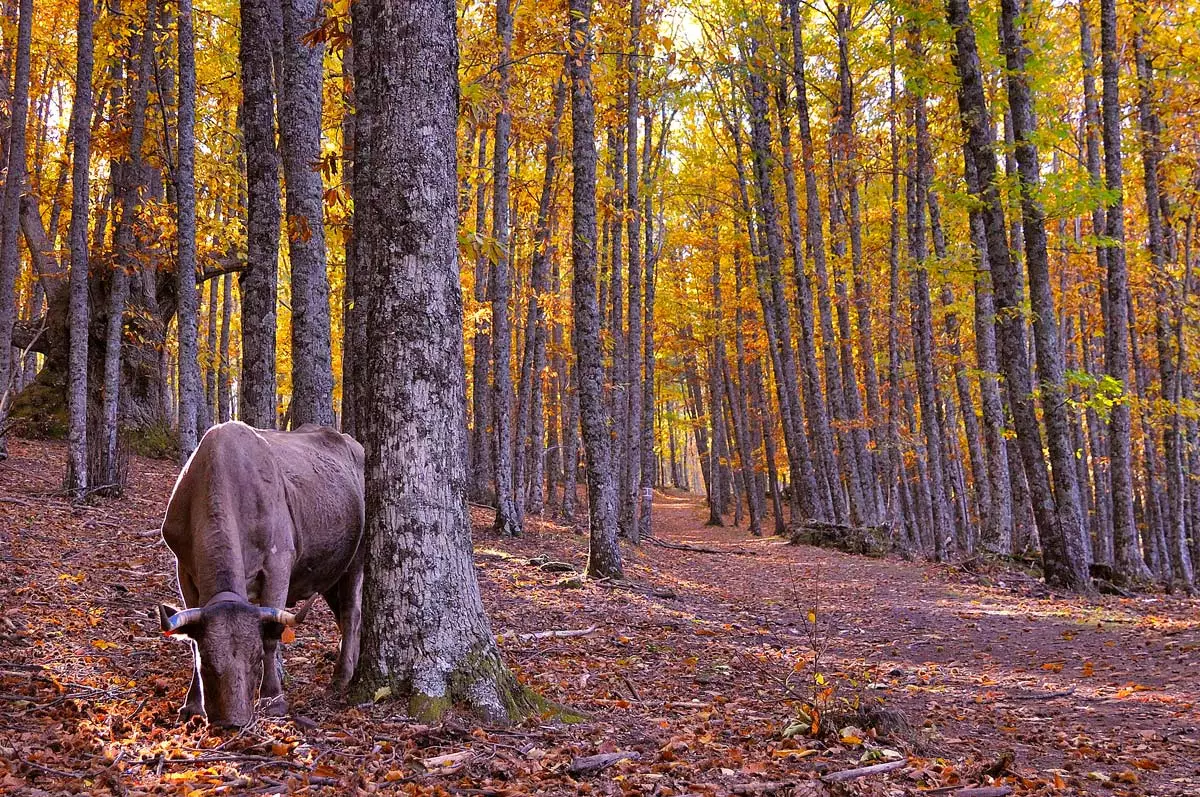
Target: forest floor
{"x": 701, "y": 668}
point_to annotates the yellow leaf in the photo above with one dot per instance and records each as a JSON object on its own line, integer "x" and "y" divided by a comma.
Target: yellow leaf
{"x": 382, "y": 692}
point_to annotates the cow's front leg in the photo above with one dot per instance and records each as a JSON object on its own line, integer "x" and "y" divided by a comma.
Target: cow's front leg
{"x": 193, "y": 705}
{"x": 274, "y": 704}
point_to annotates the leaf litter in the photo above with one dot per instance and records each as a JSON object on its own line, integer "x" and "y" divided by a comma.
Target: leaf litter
{"x": 794, "y": 670}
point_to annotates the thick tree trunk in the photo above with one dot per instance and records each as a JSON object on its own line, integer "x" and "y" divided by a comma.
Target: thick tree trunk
{"x": 300, "y": 95}
{"x": 425, "y": 634}
{"x": 190, "y": 398}
{"x": 816, "y": 245}
{"x": 261, "y": 32}
{"x": 604, "y": 552}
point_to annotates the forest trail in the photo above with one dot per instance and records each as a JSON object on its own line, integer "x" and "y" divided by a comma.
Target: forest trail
{"x": 697, "y": 665}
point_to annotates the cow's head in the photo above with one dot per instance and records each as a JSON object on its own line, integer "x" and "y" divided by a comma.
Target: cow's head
{"x": 229, "y": 638}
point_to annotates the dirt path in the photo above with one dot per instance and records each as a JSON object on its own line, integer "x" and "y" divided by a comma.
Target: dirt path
{"x": 700, "y": 666}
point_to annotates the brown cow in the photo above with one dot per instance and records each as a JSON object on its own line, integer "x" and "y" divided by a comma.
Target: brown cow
{"x": 260, "y": 520}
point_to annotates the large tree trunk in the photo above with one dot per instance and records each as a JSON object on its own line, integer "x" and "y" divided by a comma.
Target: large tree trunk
{"x": 1069, "y": 546}
{"x": 300, "y": 93}
{"x": 425, "y": 634}
{"x": 10, "y": 209}
{"x": 261, "y": 31}
{"x": 604, "y": 552}
{"x": 1129, "y": 559}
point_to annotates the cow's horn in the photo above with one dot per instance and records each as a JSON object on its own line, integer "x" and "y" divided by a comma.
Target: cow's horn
{"x": 182, "y": 618}
{"x": 302, "y": 612}
{"x": 274, "y": 615}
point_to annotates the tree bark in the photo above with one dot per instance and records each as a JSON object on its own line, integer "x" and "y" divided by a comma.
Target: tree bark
{"x": 981, "y": 173}
{"x": 508, "y": 521}
{"x": 632, "y": 461}
{"x": 604, "y": 552}
{"x": 77, "y": 372}
{"x": 425, "y": 634}
{"x": 1069, "y": 545}
{"x": 190, "y": 398}
{"x": 10, "y": 261}
{"x": 482, "y": 458}
{"x": 261, "y": 31}
{"x": 300, "y": 103}
{"x": 1129, "y": 559}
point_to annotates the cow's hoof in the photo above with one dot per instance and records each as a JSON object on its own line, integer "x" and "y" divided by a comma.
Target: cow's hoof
{"x": 190, "y": 711}
{"x": 275, "y": 706}
{"x": 340, "y": 685}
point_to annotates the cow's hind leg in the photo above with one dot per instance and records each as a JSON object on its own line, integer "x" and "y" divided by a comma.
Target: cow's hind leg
{"x": 345, "y": 599}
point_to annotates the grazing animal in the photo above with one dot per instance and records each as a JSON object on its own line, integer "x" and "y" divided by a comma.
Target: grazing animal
{"x": 260, "y": 520}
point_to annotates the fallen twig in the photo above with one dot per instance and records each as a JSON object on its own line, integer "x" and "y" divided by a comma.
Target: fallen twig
{"x": 1045, "y": 696}
{"x": 681, "y": 546}
{"x": 558, "y": 634}
{"x": 595, "y": 763}
{"x": 860, "y": 772}
{"x": 984, "y": 791}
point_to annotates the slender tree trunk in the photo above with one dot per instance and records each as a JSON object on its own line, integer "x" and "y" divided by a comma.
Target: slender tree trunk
{"x": 10, "y": 261}
{"x": 1129, "y": 559}
{"x": 224, "y": 403}
{"x": 1069, "y": 546}
{"x": 1174, "y": 524}
{"x": 261, "y": 31}
{"x": 425, "y": 633}
{"x": 816, "y": 244}
{"x": 185, "y": 196}
{"x": 646, "y": 483}
{"x": 631, "y": 469}
{"x": 508, "y": 522}
{"x": 604, "y": 553}
{"x": 804, "y": 485}
{"x": 820, "y": 433}
{"x": 981, "y": 175}
{"x": 532, "y": 434}
{"x": 483, "y": 464}
{"x": 300, "y": 103}
{"x": 77, "y": 374}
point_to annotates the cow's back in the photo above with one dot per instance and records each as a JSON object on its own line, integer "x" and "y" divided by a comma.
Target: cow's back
{"x": 272, "y": 506}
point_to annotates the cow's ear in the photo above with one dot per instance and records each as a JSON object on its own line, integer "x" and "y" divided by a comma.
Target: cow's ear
{"x": 171, "y": 625}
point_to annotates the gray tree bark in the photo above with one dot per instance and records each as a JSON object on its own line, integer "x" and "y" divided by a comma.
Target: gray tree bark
{"x": 77, "y": 237}
{"x": 300, "y": 93}
{"x": 604, "y": 552}
{"x": 508, "y": 521}
{"x": 425, "y": 634}
{"x": 10, "y": 205}
{"x": 261, "y": 32}
{"x": 190, "y": 398}
{"x": 1129, "y": 559}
